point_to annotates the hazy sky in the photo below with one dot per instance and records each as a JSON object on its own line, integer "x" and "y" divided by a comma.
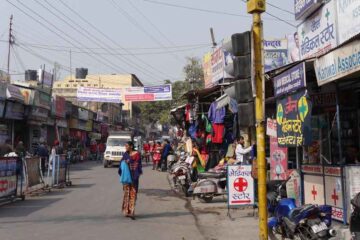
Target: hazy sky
{"x": 148, "y": 39}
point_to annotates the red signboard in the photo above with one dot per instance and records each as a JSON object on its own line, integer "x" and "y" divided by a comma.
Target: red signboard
{"x": 140, "y": 97}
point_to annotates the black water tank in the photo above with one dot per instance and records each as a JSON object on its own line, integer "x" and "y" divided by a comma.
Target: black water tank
{"x": 30, "y": 75}
{"x": 81, "y": 73}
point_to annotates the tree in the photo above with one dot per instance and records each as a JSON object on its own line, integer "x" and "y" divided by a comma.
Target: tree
{"x": 152, "y": 112}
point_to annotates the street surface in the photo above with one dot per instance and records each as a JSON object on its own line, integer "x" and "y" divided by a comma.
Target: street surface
{"x": 90, "y": 210}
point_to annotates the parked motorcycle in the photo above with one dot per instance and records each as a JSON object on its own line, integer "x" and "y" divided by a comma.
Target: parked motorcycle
{"x": 210, "y": 184}
{"x": 181, "y": 174}
{"x": 355, "y": 217}
{"x": 308, "y": 222}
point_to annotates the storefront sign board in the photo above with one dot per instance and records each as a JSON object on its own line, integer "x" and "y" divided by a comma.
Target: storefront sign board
{"x": 318, "y": 33}
{"x": 61, "y": 123}
{"x": 28, "y": 96}
{"x": 275, "y": 53}
{"x": 73, "y": 123}
{"x": 334, "y": 196}
{"x": 348, "y": 13}
{"x": 13, "y": 93}
{"x": 14, "y": 111}
{"x": 304, "y": 8}
{"x": 45, "y": 78}
{"x": 8, "y": 176}
{"x": 60, "y": 106}
{"x": 312, "y": 169}
{"x": 42, "y": 99}
{"x": 37, "y": 113}
{"x": 240, "y": 185}
{"x": 332, "y": 171}
{"x": 278, "y": 160}
{"x": 89, "y": 125}
{"x": 290, "y": 80}
{"x": 145, "y": 94}
{"x": 271, "y": 127}
{"x": 83, "y": 114}
{"x": 338, "y": 63}
{"x": 293, "y": 119}
{"x": 293, "y": 186}
{"x": 314, "y": 189}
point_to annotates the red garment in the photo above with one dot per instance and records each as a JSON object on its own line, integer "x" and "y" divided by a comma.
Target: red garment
{"x": 157, "y": 154}
{"x": 146, "y": 147}
{"x": 218, "y": 133}
{"x": 93, "y": 148}
{"x": 187, "y": 113}
{"x": 102, "y": 147}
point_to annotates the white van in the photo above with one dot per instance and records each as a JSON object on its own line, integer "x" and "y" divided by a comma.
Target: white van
{"x": 115, "y": 148}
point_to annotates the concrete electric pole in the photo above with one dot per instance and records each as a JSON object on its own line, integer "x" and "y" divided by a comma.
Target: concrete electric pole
{"x": 256, "y": 7}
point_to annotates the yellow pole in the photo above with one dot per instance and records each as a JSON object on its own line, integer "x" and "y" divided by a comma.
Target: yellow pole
{"x": 256, "y": 7}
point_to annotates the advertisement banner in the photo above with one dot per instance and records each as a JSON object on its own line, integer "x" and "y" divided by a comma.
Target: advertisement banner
{"x": 304, "y": 8}
{"x": 144, "y": 94}
{"x": 33, "y": 171}
{"x": 348, "y": 13}
{"x": 14, "y": 111}
{"x": 240, "y": 185}
{"x": 206, "y": 64}
{"x": 217, "y": 65}
{"x": 338, "y": 63}
{"x": 293, "y": 119}
{"x": 275, "y": 53}
{"x": 334, "y": 196}
{"x": 271, "y": 127}
{"x": 293, "y": 47}
{"x": 42, "y": 99}
{"x": 290, "y": 80}
{"x": 83, "y": 114}
{"x": 8, "y": 182}
{"x": 37, "y": 113}
{"x": 318, "y": 33}
{"x": 278, "y": 160}
{"x": 293, "y": 186}
{"x": 28, "y": 95}
{"x": 13, "y": 93}
{"x": 86, "y": 94}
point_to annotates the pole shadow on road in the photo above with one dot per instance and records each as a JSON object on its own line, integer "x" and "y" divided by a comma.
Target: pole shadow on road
{"x": 25, "y": 208}
{"x": 82, "y": 185}
{"x": 162, "y": 214}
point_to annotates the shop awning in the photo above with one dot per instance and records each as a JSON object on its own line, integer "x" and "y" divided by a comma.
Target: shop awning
{"x": 177, "y": 108}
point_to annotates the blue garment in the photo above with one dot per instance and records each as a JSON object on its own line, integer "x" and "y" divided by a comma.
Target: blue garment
{"x": 192, "y": 130}
{"x": 42, "y": 151}
{"x": 125, "y": 177}
{"x": 166, "y": 150}
{"x": 216, "y": 115}
{"x": 233, "y": 106}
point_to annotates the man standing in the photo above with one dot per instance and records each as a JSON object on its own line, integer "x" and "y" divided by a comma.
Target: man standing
{"x": 241, "y": 152}
{"x": 165, "y": 154}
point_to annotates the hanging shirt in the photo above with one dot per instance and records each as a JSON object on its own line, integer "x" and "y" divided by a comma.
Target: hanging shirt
{"x": 216, "y": 115}
{"x": 241, "y": 152}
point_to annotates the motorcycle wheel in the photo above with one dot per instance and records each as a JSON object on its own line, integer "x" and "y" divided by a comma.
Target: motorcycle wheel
{"x": 206, "y": 199}
{"x": 272, "y": 235}
{"x": 185, "y": 190}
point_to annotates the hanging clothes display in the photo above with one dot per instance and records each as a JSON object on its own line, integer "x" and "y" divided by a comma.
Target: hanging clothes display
{"x": 216, "y": 115}
{"x": 218, "y": 135}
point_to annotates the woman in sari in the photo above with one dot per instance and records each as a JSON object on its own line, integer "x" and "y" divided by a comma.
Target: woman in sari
{"x": 130, "y": 170}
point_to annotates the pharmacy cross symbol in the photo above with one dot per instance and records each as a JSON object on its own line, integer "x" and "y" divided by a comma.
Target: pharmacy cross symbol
{"x": 240, "y": 184}
{"x": 314, "y": 192}
{"x": 335, "y": 197}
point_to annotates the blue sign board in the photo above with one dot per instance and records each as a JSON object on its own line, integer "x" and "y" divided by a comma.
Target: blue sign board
{"x": 303, "y": 8}
{"x": 290, "y": 80}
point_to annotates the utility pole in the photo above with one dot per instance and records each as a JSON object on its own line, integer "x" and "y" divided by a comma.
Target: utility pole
{"x": 256, "y": 7}
{"x": 70, "y": 66}
{"x": 10, "y": 43}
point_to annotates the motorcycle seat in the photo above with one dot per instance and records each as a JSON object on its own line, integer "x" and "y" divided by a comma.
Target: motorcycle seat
{"x": 298, "y": 211}
{"x": 211, "y": 175}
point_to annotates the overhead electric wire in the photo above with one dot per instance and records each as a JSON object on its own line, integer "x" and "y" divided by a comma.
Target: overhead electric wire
{"x": 133, "y": 21}
{"x": 96, "y": 40}
{"x": 208, "y": 10}
{"x": 279, "y": 8}
{"x": 111, "y": 40}
{"x": 51, "y": 30}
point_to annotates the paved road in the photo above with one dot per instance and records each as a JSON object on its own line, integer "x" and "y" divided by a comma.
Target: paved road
{"x": 90, "y": 210}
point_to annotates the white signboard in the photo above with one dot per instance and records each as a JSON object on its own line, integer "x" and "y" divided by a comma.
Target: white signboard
{"x": 85, "y": 94}
{"x": 146, "y": 94}
{"x": 240, "y": 185}
{"x": 334, "y": 196}
{"x": 314, "y": 189}
{"x": 217, "y": 65}
{"x": 275, "y": 53}
{"x": 318, "y": 33}
{"x": 348, "y": 13}
{"x": 338, "y": 63}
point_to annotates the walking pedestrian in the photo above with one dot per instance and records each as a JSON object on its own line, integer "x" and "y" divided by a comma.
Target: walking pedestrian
{"x": 146, "y": 149}
{"x": 130, "y": 170}
{"x": 166, "y": 151}
{"x": 43, "y": 152}
{"x": 157, "y": 155}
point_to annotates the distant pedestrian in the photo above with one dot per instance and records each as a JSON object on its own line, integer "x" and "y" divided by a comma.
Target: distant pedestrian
{"x": 166, "y": 151}
{"x": 43, "y": 152}
{"x": 20, "y": 149}
{"x": 130, "y": 170}
{"x": 146, "y": 149}
{"x": 157, "y": 155}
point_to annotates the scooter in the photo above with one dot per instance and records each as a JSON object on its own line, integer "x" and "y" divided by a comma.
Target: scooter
{"x": 355, "y": 217}
{"x": 210, "y": 184}
{"x": 308, "y": 222}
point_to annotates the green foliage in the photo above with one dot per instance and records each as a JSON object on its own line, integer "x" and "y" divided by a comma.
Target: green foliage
{"x": 152, "y": 112}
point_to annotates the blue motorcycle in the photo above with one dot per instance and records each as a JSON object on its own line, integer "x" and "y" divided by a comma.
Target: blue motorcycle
{"x": 308, "y": 222}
